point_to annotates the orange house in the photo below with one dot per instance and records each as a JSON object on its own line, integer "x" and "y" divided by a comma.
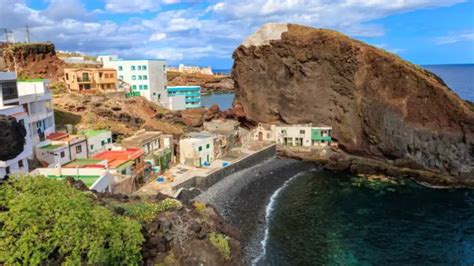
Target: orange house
{"x": 90, "y": 80}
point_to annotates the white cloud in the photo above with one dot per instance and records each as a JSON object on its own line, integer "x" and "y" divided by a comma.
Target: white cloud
{"x": 455, "y": 38}
{"x": 197, "y": 32}
{"x": 158, "y": 36}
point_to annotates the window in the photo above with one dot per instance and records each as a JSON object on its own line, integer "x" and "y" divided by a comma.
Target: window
{"x": 134, "y": 77}
{"x": 145, "y": 87}
{"x": 7, "y": 170}
{"x": 92, "y": 147}
{"x": 63, "y": 154}
{"x": 20, "y": 163}
{"x": 144, "y": 67}
{"x": 139, "y": 77}
{"x": 120, "y": 68}
{"x": 154, "y": 94}
{"x": 145, "y": 77}
{"x": 121, "y": 77}
{"x": 200, "y": 148}
{"x": 111, "y": 75}
{"x": 139, "y": 67}
{"x": 100, "y": 75}
{"x": 134, "y": 87}
{"x": 133, "y": 67}
{"x": 208, "y": 146}
{"x": 283, "y": 131}
{"x": 109, "y": 140}
{"x": 78, "y": 149}
{"x": 67, "y": 76}
{"x": 159, "y": 96}
{"x": 302, "y": 131}
{"x": 102, "y": 142}
{"x": 22, "y": 122}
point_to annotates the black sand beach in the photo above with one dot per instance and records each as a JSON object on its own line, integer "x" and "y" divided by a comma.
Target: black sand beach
{"x": 242, "y": 198}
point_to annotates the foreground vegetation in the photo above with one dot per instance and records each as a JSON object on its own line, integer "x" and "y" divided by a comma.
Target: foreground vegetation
{"x": 47, "y": 222}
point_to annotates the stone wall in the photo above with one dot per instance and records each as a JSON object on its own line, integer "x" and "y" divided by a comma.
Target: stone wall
{"x": 204, "y": 182}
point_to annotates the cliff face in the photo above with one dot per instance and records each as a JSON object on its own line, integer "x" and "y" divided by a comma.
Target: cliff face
{"x": 378, "y": 104}
{"x": 12, "y": 137}
{"x": 32, "y": 60}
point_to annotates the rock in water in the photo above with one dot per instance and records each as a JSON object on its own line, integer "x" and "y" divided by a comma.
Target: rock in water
{"x": 12, "y": 138}
{"x": 378, "y": 104}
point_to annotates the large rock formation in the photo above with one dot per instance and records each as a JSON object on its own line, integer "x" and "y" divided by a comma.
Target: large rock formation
{"x": 32, "y": 60}
{"x": 379, "y": 105}
{"x": 12, "y": 138}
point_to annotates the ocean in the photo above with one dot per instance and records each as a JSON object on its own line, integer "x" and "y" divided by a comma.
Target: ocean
{"x": 318, "y": 217}
{"x": 326, "y": 218}
{"x": 460, "y": 78}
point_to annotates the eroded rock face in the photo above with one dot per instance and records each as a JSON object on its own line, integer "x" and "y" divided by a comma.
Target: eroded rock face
{"x": 378, "y": 104}
{"x": 12, "y": 138}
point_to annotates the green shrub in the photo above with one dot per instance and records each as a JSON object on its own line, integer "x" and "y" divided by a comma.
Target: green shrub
{"x": 199, "y": 206}
{"x": 146, "y": 211}
{"x": 47, "y": 222}
{"x": 221, "y": 244}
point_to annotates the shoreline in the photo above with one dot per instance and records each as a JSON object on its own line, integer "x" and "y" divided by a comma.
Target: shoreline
{"x": 243, "y": 198}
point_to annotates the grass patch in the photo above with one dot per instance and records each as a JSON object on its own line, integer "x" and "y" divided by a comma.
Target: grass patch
{"x": 146, "y": 211}
{"x": 220, "y": 242}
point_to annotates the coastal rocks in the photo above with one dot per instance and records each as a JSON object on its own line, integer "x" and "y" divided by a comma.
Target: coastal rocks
{"x": 12, "y": 137}
{"x": 379, "y": 105}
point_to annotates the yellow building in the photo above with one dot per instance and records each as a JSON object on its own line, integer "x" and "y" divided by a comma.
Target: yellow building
{"x": 90, "y": 80}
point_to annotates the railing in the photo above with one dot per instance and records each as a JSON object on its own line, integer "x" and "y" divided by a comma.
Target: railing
{"x": 132, "y": 94}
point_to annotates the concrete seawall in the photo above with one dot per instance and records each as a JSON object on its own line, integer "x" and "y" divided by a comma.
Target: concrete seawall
{"x": 204, "y": 182}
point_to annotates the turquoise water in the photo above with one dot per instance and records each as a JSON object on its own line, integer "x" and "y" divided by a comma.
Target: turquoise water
{"x": 324, "y": 218}
{"x": 223, "y": 100}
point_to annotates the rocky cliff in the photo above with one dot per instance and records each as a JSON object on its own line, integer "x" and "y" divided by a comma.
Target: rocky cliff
{"x": 31, "y": 60}
{"x": 12, "y": 138}
{"x": 379, "y": 105}
{"x": 208, "y": 83}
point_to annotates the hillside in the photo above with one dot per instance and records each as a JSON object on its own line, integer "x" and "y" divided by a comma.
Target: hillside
{"x": 379, "y": 105}
{"x": 51, "y": 222}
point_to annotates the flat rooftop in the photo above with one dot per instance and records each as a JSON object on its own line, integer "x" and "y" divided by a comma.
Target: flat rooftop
{"x": 85, "y": 163}
{"x": 92, "y": 133}
{"x": 52, "y": 147}
{"x": 88, "y": 180}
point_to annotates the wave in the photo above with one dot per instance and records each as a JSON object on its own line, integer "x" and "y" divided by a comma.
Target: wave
{"x": 268, "y": 212}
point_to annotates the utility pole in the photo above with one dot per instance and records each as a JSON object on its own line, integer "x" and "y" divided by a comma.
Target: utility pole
{"x": 28, "y": 34}
{"x": 5, "y": 30}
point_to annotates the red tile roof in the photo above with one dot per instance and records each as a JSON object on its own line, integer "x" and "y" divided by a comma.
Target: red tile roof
{"x": 56, "y": 136}
{"x": 116, "y": 158}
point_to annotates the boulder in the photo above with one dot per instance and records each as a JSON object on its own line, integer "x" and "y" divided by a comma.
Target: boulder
{"x": 12, "y": 137}
{"x": 379, "y": 105}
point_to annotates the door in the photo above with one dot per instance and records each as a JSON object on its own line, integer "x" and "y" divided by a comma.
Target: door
{"x": 260, "y": 136}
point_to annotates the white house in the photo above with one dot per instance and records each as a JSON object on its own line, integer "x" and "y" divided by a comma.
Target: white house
{"x": 98, "y": 141}
{"x": 98, "y": 179}
{"x": 197, "y": 149}
{"x": 147, "y": 76}
{"x": 19, "y": 164}
{"x": 304, "y": 135}
{"x": 53, "y": 153}
{"x": 35, "y": 97}
{"x": 9, "y": 106}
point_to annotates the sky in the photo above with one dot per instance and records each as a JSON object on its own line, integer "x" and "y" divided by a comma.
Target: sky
{"x": 205, "y": 33}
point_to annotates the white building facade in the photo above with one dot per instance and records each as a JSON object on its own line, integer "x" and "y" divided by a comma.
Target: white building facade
{"x": 9, "y": 106}
{"x": 197, "y": 150}
{"x": 98, "y": 141}
{"x": 19, "y": 164}
{"x": 35, "y": 97}
{"x": 147, "y": 76}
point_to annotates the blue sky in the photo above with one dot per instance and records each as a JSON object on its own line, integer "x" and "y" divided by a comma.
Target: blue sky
{"x": 206, "y": 32}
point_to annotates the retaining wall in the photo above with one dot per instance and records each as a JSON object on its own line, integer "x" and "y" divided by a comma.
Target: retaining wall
{"x": 204, "y": 182}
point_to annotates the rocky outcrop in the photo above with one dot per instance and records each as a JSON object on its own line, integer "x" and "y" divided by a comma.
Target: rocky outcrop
{"x": 32, "y": 60}
{"x": 379, "y": 105}
{"x": 12, "y": 138}
{"x": 208, "y": 83}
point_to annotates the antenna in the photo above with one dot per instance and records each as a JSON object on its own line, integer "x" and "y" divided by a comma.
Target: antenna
{"x": 28, "y": 34}
{"x": 6, "y": 31}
